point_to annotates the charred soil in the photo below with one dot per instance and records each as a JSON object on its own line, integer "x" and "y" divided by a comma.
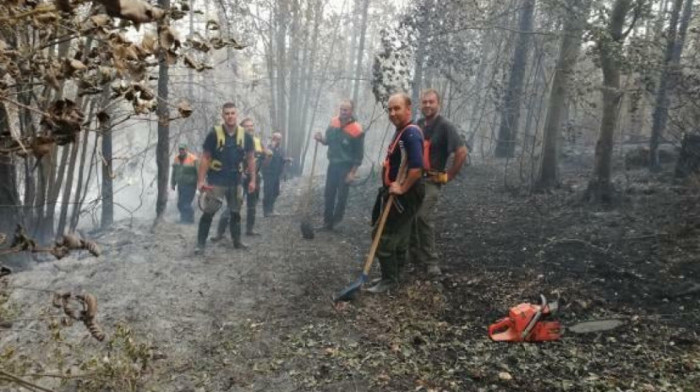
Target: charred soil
{"x": 263, "y": 319}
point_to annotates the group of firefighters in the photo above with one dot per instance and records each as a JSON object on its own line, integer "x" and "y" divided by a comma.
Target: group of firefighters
{"x": 233, "y": 158}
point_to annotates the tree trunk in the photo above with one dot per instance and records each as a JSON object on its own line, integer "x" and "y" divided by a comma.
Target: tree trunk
{"x": 163, "y": 145}
{"x": 600, "y": 187}
{"x": 507, "y": 132}
{"x": 360, "y": 52}
{"x": 281, "y": 46}
{"x": 107, "y": 183}
{"x": 569, "y": 49}
{"x": 9, "y": 198}
{"x": 674, "y": 48}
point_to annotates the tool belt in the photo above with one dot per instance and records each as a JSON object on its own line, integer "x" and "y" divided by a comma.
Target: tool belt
{"x": 436, "y": 176}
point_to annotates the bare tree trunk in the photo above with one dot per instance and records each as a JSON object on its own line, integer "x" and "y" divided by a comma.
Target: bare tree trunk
{"x": 281, "y": 46}
{"x": 600, "y": 188}
{"x": 360, "y": 51}
{"x": 9, "y": 198}
{"x": 507, "y": 132}
{"x": 163, "y": 145}
{"x": 107, "y": 183}
{"x": 569, "y": 49}
{"x": 674, "y": 48}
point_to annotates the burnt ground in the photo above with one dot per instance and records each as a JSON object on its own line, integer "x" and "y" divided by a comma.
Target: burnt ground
{"x": 263, "y": 320}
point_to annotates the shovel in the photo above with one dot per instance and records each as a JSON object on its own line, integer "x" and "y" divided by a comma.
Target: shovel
{"x": 349, "y": 292}
{"x": 307, "y": 230}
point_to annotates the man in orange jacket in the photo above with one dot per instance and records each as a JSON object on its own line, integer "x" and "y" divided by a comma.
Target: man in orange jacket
{"x": 184, "y": 177}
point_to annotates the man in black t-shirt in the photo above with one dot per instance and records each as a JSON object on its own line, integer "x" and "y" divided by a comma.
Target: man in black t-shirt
{"x": 219, "y": 176}
{"x": 273, "y": 167}
{"x": 440, "y": 141}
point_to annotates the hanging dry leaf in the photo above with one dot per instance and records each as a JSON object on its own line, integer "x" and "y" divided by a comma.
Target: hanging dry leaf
{"x": 171, "y": 57}
{"x": 190, "y": 62}
{"x": 167, "y": 37}
{"x": 72, "y": 66}
{"x": 184, "y": 109}
{"x": 97, "y": 21}
{"x": 176, "y": 13}
{"x": 212, "y": 25}
{"x": 149, "y": 43}
{"x": 103, "y": 118}
{"x": 134, "y": 10}
{"x": 199, "y": 43}
{"x": 41, "y": 145}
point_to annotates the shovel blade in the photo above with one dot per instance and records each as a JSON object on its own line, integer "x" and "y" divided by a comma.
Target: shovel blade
{"x": 307, "y": 230}
{"x": 595, "y": 326}
{"x": 348, "y": 293}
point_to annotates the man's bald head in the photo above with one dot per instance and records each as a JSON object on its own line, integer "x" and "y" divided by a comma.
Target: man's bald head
{"x": 399, "y": 108}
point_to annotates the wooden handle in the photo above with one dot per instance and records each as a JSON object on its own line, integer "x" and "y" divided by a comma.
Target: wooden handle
{"x": 307, "y": 201}
{"x": 401, "y": 176}
{"x": 378, "y": 235}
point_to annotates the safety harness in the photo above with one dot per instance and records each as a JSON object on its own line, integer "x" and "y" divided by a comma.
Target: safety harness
{"x": 390, "y": 151}
{"x": 216, "y": 164}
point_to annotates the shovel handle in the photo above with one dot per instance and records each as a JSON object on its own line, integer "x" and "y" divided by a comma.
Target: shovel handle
{"x": 311, "y": 181}
{"x": 385, "y": 213}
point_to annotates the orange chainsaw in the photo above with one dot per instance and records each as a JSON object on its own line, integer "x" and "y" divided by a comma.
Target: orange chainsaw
{"x": 531, "y": 323}
{"x": 527, "y": 323}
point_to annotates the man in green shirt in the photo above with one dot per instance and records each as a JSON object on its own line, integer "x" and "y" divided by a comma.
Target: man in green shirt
{"x": 184, "y": 177}
{"x": 345, "y": 141}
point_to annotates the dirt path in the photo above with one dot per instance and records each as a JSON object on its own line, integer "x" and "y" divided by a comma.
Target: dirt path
{"x": 262, "y": 319}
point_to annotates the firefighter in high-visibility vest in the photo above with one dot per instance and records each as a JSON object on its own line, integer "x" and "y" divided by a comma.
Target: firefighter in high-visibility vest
{"x": 251, "y": 198}
{"x": 184, "y": 178}
{"x": 440, "y": 141}
{"x": 219, "y": 177}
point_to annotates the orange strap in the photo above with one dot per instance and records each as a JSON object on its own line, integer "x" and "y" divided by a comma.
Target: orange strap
{"x": 390, "y": 151}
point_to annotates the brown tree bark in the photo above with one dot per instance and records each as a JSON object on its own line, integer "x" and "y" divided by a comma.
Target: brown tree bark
{"x": 569, "y": 48}
{"x": 600, "y": 188}
{"x": 507, "y": 132}
{"x": 163, "y": 145}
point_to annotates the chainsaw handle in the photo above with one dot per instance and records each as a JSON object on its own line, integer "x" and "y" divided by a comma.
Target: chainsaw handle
{"x": 499, "y": 326}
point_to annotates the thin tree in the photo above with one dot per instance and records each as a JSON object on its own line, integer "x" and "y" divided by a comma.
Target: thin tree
{"x": 508, "y": 129}
{"x": 163, "y": 145}
{"x": 569, "y": 48}
{"x": 672, "y": 58}
{"x": 600, "y": 188}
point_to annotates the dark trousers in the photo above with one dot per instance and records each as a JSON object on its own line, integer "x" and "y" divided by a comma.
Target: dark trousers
{"x": 271, "y": 189}
{"x": 185, "y": 195}
{"x": 336, "y": 193}
{"x": 251, "y": 200}
{"x": 232, "y": 196}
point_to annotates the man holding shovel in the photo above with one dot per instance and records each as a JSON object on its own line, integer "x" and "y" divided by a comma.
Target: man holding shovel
{"x": 345, "y": 141}
{"x": 219, "y": 177}
{"x": 408, "y": 191}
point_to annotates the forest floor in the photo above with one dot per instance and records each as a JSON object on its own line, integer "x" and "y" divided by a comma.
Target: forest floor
{"x": 263, "y": 319}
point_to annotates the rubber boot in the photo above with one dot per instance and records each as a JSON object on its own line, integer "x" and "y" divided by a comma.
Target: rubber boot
{"x": 236, "y": 231}
{"x": 203, "y": 232}
{"x": 221, "y": 228}
{"x": 250, "y": 221}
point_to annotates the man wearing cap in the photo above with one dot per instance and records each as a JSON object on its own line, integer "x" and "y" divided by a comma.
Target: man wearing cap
{"x": 184, "y": 177}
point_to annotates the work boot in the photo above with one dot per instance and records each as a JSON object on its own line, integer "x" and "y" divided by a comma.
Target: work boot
{"x": 434, "y": 271}
{"x": 217, "y": 238}
{"x": 384, "y": 285}
{"x": 199, "y": 250}
{"x": 237, "y": 244}
{"x": 251, "y": 233}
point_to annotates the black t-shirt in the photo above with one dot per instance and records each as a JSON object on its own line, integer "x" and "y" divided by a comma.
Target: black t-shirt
{"x": 230, "y": 155}
{"x": 444, "y": 140}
